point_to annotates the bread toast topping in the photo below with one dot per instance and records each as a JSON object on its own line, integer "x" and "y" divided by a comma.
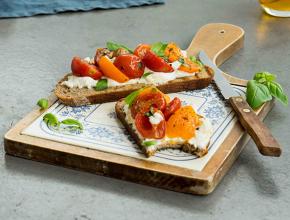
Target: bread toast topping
{"x": 183, "y": 127}
{"x": 154, "y": 64}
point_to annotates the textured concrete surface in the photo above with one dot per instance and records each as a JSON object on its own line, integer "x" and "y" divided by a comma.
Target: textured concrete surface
{"x": 35, "y": 52}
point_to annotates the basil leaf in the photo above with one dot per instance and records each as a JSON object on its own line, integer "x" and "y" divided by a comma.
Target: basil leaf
{"x": 159, "y": 48}
{"x": 195, "y": 60}
{"x": 277, "y": 91}
{"x": 257, "y": 94}
{"x": 43, "y": 103}
{"x": 149, "y": 143}
{"x": 114, "y": 46}
{"x": 72, "y": 122}
{"x": 101, "y": 84}
{"x": 51, "y": 119}
{"x": 146, "y": 74}
{"x": 264, "y": 77}
{"x": 132, "y": 96}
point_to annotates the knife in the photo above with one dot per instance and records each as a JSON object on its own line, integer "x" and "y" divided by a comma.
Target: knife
{"x": 266, "y": 143}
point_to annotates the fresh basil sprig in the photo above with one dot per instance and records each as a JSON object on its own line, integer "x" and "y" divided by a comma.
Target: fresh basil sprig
{"x": 114, "y": 46}
{"x": 72, "y": 122}
{"x": 101, "y": 84}
{"x": 257, "y": 94}
{"x": 51, "y": 120}
{"x": 146, "y": 74}
{"x": 42, "y": 103}
{"x": 195, "y": 60}
{"x": 159, "y": 48}
{"x": 132, "y": 96}
{"x": 149, "y": 143}
{"x": 262, "y": 88}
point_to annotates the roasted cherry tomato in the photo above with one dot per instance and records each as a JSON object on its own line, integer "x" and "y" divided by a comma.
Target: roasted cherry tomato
{"x": 147, "y": 130}
{"x": 141, "y": 50}
{"x": 145, "y": 101}
{"x": 156, "y": 63}
{"x": 80, "y": 67}
{"x": 172, "y": 52}
{"x": 130, "y": 65}
{"x": 183, "y": 123}
{"x": 172, "y": 107}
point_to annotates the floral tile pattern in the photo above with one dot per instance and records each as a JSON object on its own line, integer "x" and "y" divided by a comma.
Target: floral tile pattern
{"x": 103, "y": 131}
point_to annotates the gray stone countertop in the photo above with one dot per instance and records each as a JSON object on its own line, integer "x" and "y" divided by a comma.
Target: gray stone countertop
{"x": 35, "y": 52}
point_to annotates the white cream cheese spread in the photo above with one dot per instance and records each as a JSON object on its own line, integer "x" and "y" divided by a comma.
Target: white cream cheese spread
{"x": 156, "y": 118}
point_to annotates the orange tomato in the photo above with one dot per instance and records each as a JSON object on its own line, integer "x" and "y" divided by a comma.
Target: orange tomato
{"x": 182, "y": 123}
{"x": 111, "y": 71}
{"x": 189, "y": 66}
{"x": 172, "y": 52}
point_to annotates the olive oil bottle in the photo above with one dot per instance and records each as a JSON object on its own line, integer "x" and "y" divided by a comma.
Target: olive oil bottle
{"x": 279, "y": 8}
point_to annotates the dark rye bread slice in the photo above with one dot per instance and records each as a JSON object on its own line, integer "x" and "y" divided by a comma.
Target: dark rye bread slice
{"x": 151, "y": 150}
{"x": 84, "y": 96}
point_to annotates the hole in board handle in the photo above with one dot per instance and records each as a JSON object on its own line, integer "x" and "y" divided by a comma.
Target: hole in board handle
{"x": 222, "y": 31}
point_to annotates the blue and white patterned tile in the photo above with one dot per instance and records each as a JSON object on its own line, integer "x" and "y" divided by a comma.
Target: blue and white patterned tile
{"x": 103, "y": 131}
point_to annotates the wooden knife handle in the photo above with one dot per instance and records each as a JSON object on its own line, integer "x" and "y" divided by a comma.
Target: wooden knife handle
{"x": 259, "y": 132}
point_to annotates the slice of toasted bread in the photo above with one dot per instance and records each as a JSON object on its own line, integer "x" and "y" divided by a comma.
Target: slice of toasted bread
{"x": 84, "y": 96}
{"x": 151, "y": 150}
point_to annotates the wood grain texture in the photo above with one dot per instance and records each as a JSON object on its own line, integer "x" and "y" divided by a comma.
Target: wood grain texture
{"x": 219, "y": 41}
{"x": 259, "y": 132}
{"x": 143, "y": 171}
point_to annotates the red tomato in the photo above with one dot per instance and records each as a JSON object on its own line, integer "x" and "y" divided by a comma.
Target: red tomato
{"x": 172, "y": 107}
{"x": 130, "y": 65}
{"x": 144, "y": 102}
{"x": 156, "y": 63}
{"x": 141, "y": 50}
{"x": 80, "y": 67}
{"x": 147, "y": 130}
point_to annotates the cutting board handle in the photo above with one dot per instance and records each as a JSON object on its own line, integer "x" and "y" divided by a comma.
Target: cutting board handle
{"x": 220, "y": 41}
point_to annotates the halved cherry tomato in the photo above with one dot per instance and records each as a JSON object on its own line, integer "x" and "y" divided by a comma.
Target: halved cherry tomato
{"x": 141, "y": 50}
{"x": 156, "y": 63}
{"x": 145, "y": 101}
{"x": 147, "y": 130}
{"x": 172, "y": 52}
{"x": 189, "y": 66}
{"x": 172, "y": 107}
{"x": 80, "y": 67}
{"x": 130, "y": 65}
{"x": 183, "y": 123}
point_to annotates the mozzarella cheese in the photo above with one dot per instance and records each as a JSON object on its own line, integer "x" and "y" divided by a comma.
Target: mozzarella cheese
{"x": 156, "y": 118}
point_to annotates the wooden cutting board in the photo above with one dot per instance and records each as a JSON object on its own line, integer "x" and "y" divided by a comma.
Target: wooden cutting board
{"x": 219, "y": 41}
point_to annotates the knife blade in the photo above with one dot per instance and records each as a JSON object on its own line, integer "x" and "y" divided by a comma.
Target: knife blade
{"x": 261, "y": 135}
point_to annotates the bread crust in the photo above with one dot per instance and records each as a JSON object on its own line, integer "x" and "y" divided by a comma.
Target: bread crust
{"x": 84, "y": 96}
{"x": 189, "y": 148}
